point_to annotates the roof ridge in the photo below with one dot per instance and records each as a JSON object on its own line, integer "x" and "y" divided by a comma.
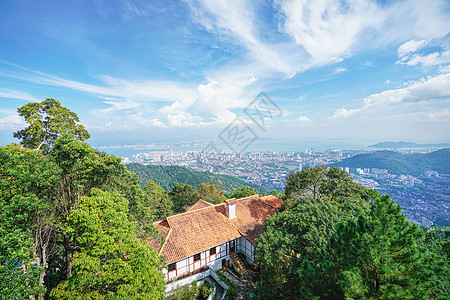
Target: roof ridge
{"x": 165, "y": 240}
{"x": 205, "y": 202}
{"x": 193, "y": 211}
{"x": 255, "y": 195}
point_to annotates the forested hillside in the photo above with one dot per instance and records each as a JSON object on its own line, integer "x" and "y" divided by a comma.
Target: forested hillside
{"x": 397, "y": 163}
{"x": 168, "y": 176}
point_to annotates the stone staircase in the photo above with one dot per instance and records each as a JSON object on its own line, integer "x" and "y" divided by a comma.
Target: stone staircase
{"x": 239, "y": 263}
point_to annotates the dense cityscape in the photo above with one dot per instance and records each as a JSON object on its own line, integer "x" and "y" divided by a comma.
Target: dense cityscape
{"x": 425, "y": 199}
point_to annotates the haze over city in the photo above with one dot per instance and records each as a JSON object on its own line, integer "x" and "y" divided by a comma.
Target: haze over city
{"x": 341, "y": 72}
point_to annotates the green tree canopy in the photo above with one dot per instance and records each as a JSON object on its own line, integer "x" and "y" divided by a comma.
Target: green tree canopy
{"x": 212, "y": 193}
{"x": 321, "y": 182}
{"x": 158, "y": 200}
{"x": 295, "y": 235}
{"x": 26, "y": 179}
{"x": 39, "y": 195}
{"x": 337, "y": 240}
{"x": 182, "y": 196}
{"x": 47, "y": 120}
{"x": 112, "y": 263}
{"x": 380, "y": 255}
{"x": 244, "y": 191}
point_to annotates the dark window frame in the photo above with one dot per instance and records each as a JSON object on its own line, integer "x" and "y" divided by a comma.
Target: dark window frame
{"x": 197, "y": 257}
{"x": 212, "y": 251}
{"x": 172, "y": 267}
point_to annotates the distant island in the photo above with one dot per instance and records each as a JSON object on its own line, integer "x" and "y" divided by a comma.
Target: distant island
{"x": 396, "y": 145}
{"x": 397, "y": 163}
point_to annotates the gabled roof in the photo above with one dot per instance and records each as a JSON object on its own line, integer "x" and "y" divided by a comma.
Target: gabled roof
{"x": 272, "y": 201}
{"x": 204, "y": 226}
{"x": 199, "y": 204}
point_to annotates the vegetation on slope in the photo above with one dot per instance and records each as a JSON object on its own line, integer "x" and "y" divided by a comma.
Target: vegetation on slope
{"x": 337, "y": 240}
{"x": 71, "y": 217}
{"x": 168, "y": 176}
{"x": 397, "y": 163}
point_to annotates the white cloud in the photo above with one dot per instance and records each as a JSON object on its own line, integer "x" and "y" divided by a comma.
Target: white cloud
{"x": 432, "y": 59}
{"x": 322, "y": 32}
{"x": 157, "y": 123}
{"x": 13, "y": 94}
{"x": 411, "y": 46}
{"x": 238, "y": 20}
{"x": 431, "y": 88}
{"x": 444, "y": 69}
{"x": 11, "y": 121}
{"x": 184, "y": 120}
{"x": 438, "y": 116}
{"x": 343, "y": 113}
{"x": 328, "y": 29}
{"x": 339, "y": 70}
{"x": 305, "y": 120}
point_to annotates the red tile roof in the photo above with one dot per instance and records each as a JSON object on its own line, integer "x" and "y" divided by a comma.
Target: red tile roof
{"x": 199, "y": 229}
{"x": 199, "y": 204}
{"x": 272, "y": 201}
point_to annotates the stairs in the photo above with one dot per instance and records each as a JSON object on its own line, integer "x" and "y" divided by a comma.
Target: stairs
{"x": 239, "y": 263}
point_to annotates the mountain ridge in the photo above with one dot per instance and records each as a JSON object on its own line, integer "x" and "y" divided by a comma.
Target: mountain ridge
{"x": 397, "y": 163}
{"x": 401, "y": 144}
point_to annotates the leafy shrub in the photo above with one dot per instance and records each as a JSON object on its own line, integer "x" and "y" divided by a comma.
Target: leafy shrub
{"x": 205, "y": 290}
{"x": 231, "y": 293}
{"x": 186, "y": 292}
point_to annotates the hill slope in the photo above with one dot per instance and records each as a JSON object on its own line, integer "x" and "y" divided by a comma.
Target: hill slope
{"x": 168, "y": 176}
{"x": 397, "y": 163}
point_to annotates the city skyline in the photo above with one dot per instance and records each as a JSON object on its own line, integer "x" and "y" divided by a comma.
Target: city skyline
{"x": 341, "y": 72}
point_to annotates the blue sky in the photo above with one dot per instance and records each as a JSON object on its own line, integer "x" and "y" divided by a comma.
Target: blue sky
{"x": 142, "y": 71}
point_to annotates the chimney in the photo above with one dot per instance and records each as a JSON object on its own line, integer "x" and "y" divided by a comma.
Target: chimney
{"x": 230, "y": 208}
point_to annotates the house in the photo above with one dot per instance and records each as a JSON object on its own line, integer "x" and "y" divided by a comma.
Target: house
{"x": 206, "y": 234}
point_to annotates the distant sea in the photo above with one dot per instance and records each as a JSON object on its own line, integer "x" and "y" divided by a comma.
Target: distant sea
{"x": 259, "y": 145}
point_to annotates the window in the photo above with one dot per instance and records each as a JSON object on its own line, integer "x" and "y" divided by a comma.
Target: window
{"x": 197, "y": 257}
{"x": 212, "y": 251}
{"x": 172, "y": 267}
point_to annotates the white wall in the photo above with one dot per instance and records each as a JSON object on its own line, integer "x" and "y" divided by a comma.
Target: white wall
{"x": 247, "y": 248}
{"x": 188, "y": 265}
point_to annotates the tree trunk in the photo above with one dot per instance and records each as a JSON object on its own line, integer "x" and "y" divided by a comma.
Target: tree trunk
{"x": 44, "y": 265}
{"x": 69, "y": 256}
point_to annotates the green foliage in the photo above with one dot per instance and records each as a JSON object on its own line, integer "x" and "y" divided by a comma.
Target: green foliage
{"x": 112, "y": 263}
{"x": 321, "y": 182}
{"x": 380, "y": 255}
{"x": 295, "y": 235}
{"x": 182, "y": 196}
{"x": 49, "y": 223}
{"x": 231, "y": 292}
{"x": 186, "y": 292}
{"x": 159, "y": 200}
{"x": 211, "y": 193}
{"x": 47, "y": 120}
{"x": 337, "y": 240}
{"x": 192, "y": 291}
{"x": 206, "y": 289}
{"x": 169, "y": 176}
{"x": 18, "y": 281}
{"x": 26, "y": 178}
{"x": 244, "y": 191}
